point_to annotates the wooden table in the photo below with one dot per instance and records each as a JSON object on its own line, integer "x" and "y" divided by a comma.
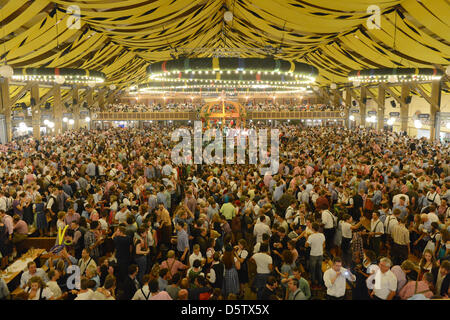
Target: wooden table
{"x": 18, "y": 266}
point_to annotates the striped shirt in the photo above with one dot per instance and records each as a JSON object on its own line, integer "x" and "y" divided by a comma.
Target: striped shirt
{"x": 400, "y": 235}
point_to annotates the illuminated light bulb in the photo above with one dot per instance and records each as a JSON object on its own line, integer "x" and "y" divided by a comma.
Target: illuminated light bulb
{"x": 6, "y": 71}
{"x": 417, "y": 124}
{"x": 228, "y": 16}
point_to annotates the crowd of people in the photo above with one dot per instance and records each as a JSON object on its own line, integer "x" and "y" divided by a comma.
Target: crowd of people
{"x": 250, "y": 106}
{"x": 350, "y": 214}
{"x": 153, "y": 107}
{"x": 292, "y": 107}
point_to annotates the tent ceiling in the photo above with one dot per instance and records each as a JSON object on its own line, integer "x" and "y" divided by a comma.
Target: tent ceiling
{"x": 121, "y": 37}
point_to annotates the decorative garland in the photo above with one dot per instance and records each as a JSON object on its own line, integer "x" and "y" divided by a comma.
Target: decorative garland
{"x": 395, "y": 75}
{"x": 81, "y": 76}
{"x": 244, "y": 71}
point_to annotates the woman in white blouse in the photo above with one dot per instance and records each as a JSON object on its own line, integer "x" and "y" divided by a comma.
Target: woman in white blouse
{"x": 38, "y": 290}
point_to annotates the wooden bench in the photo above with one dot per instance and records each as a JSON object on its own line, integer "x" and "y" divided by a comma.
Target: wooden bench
{"x": 39, "y": 242}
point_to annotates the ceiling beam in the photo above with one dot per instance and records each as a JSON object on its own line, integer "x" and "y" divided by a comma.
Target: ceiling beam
{"x": 424, "y": 95}
{"x": 45, "y": 97}
{"x": 20, "y": 94}
{"x": 393, "y": 95}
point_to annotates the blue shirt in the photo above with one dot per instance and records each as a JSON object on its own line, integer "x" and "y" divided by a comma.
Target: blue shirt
{"x": 402, "y": 209}
{"x": 162, "y": 284}
{"x": 362, "y": 186}
{"x": 278, "y": 192}
{"x": 182, "y": 240}
{"x": 162, "y": 198}
{"x": 152, "y": 202}
{"x": 377, "y": 197}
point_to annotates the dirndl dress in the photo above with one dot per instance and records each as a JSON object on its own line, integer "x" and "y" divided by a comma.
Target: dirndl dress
{"x": 41, "y": 219}
{"x": 230, "y": 282}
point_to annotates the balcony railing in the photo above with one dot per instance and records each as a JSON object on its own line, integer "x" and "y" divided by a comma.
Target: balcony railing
{"x": 144, "y": 116}
{"x": 192, "y": 115}
{"x": 284, "y": 115}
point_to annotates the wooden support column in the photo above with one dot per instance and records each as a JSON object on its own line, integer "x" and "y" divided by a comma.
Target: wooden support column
{"x": 57, "y": 110}
{"x": 362, "y": 106}
{"x": 111, "y": 96}
{"x": 76, "y": 107}
{"x": 435, "y": 108}
{"x": 348, "y": 105}
{"x": 380, "y": 112}
{"x": 404, "y": 108}
{"x": 36, "y": 111}
{"x": 336, "y": 97}
{"x": 90, "y": 102}
{"x": 101, "y": 99}
{"x": 6, "y": 106}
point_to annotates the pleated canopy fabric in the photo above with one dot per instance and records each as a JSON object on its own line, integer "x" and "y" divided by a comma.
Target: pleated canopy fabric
{"x": 122, "y": 37}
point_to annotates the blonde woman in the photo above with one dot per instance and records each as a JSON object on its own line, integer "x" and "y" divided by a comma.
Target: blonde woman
{"x": 37, "y": 290}
{"x": 60, "y": 224}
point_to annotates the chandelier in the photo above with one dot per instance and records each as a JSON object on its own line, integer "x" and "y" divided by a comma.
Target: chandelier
{"x": 253, "y": 74}
{"x": 395, "y": 75}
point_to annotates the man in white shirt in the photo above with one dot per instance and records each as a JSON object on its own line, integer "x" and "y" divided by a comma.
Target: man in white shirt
{"x": 3, "y": 202}
{"x": 432, "y": 216}
{"x": 86, "y": 261}
{"x": 260, "y": 228}
{"x": 376, "y": 231}
{"x": 121, "y": 215}
{"x": 391, "y": 221}
{"x": 196, "y": 255}
{"x": 334, "y": 279}
{"x": 144, "y": 292}
{"x": 328, "y": 220}
{"x": 396, "y": 199}
{"x": 383, "y": 282}
{"x": 433, "y": 196}
{"x": 317, "y": 243}
{"x": 53, "y": 284}
{"x": 32, "y": 271}
{"x": 85, "y": 293}
{"x": 290, "y": 212}
{"x": 264, "y": 266}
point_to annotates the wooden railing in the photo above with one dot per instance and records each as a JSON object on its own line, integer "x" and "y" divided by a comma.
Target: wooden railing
{"x": 281, "y": 115}
{"x": 192, "y": 115}
{"x": 144, "y": 116}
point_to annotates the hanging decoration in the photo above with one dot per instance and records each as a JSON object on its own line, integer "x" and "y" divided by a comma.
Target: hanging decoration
{"x": 395, "y": 75}
{"x": 59, "y": 75}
